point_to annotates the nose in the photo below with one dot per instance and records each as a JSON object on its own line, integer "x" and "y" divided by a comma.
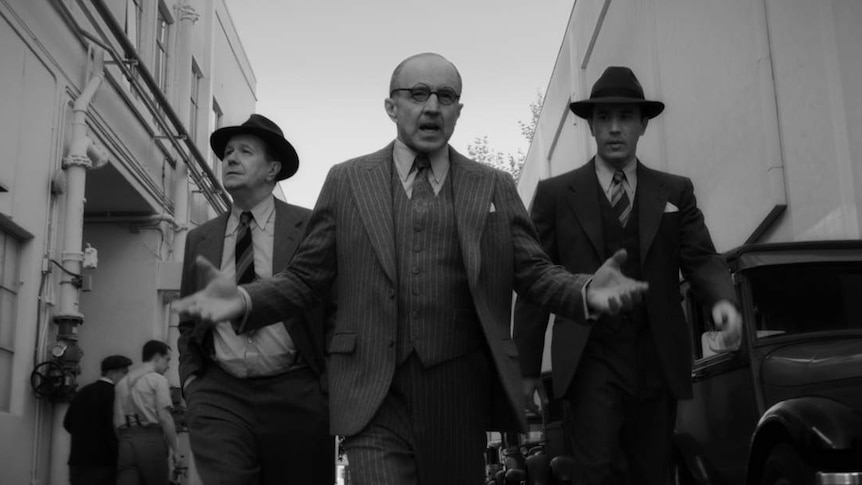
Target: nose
{"x": 432, "y": 103}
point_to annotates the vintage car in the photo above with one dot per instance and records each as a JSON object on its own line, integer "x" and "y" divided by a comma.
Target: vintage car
{"x": 784, "y": 404}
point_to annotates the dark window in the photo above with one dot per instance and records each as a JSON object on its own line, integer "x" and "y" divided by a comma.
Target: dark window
{"x": 805, "y": 298}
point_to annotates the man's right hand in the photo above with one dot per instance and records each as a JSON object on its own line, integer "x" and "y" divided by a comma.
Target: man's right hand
{"x": 533, "y": 386}
{"x": 610, "y": 291}
{"x": 219, "y": 301}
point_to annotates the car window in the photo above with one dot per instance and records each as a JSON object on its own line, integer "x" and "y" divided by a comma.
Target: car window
{"x": 805, "y": 298}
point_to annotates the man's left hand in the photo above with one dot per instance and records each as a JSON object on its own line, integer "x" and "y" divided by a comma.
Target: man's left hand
{"x": 729, "y": 322}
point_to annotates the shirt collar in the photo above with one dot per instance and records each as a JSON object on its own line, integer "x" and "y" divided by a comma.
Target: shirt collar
{"x": 605, "y": 173}
{"x": 404, "y": 156}
{"x": 105, "y": 379}
{"x": 261, "y": 212}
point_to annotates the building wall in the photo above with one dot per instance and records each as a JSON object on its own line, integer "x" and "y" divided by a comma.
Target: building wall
{"x": 762, "y": 108}
{"x": 131, "y": 210}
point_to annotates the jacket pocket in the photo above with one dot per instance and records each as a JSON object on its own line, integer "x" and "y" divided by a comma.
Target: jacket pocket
{"x": 342, "y": 343}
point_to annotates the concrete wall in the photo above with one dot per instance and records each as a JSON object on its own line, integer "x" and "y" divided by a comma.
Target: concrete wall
{"x": 760, "y": 106}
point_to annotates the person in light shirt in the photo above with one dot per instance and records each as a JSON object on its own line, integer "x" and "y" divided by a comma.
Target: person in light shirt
{"x": 142, "y": 417}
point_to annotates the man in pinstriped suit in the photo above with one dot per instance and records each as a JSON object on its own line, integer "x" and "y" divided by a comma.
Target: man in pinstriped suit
{"x": 424, "y": 248}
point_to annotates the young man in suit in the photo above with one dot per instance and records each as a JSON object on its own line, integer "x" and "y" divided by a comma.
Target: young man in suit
{"x": 90, "y": 421}
{"x": 424, "y": 248}
{"x": 257, "y": 411}
{"x": 623, "y": 375}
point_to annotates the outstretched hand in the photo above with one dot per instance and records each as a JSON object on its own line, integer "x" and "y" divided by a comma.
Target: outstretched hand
{"x": 217, "y": 302}
{"x": 611, "y": 291}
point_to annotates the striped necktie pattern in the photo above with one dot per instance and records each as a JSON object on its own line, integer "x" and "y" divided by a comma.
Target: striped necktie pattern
{"x": 244, "y": 254}
{"x": 620, "y": 198}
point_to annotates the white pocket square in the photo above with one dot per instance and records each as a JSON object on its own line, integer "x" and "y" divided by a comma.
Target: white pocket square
{"x": 493, "y": 208}
{"x": 668, "y": 208}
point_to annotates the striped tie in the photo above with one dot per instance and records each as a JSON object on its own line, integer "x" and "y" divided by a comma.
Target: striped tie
{"x": 244, "y": 250}
{"x": 423, "y": 193}
{"x": 619, "y": 198}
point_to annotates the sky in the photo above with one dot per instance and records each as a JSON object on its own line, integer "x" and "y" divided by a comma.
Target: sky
{"x": 323, "y": 69}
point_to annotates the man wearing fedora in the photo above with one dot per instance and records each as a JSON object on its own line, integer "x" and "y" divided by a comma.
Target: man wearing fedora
{"x": 622, "y": 375}
{"x": 257, "y": 409}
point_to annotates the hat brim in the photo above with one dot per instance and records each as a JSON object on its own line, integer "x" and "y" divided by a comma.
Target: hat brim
{"x": 281, "y": 148}
{"x": 584, "y": 109}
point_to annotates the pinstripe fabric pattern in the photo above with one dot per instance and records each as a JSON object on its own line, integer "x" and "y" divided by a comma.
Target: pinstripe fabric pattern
{"x": 351, "y": 235}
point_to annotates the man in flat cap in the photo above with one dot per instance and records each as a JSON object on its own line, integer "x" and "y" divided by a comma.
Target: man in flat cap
{"x": 622, "y": 375}
{"x": 257, "y": 409}
{"x": 89, "y": 419}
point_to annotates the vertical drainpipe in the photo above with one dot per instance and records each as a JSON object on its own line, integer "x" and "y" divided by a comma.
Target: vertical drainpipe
{"x": 83, "y": 152}
{"x": 187, "y": 17}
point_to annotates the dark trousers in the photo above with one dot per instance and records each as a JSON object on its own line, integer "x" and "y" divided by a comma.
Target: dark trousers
{"x": 142, "y": 458}
{"x": 617, "y": 437}
{"x": 92, "y": 475}
{"x": 268, "y": 430}
{"x": 430, "y": 428}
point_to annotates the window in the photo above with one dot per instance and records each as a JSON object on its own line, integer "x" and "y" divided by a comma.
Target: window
{"x": 9, "y": 256}
{"x": 134, "y": 18}
{"x": 160, "y": 71}
{"x": 804, "y": 298}
{"x": 194, "y": 105}
{"x": 216, "y": 122}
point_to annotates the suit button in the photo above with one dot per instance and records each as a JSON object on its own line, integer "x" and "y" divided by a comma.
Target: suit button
{"x": 391, "y": 294}
{"x": 415, "y": 270}
{"x": 417, "y": 227}
{"x": 391, "y": 344}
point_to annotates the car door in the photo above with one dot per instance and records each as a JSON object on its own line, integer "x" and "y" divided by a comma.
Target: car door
{"x": 714, "y": 427}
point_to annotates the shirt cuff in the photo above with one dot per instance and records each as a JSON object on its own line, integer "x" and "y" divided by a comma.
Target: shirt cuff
{"x": 238, "y": 324}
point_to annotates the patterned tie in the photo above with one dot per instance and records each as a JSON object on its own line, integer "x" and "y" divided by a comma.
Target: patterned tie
{"x": 244, "y": 254}
{"x": 619, "y": 197}
{"x": 423, "y": 193}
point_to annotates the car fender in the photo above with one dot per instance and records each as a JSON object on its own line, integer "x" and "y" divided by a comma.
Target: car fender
{"x": 814, "y": 425}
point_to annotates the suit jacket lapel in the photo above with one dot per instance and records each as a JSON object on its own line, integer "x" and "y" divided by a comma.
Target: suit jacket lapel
{"x": 584, "y": 201}
{"x": 372, "y": 188}
{"x": 472, "y": 190}
{"x": 212, "y": 243}
{"x": 651, "y": 201}
{"x": 288, "y": 234}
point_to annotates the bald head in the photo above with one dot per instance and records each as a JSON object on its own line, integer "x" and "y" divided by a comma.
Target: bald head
{"x": 423, "y": 60}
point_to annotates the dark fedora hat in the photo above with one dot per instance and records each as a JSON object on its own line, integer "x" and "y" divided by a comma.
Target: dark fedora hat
{"x": 617, "y": 85}
{"x": 265, "y": 129}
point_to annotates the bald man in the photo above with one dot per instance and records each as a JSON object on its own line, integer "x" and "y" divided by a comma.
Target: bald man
{"x": 423, "y": 248}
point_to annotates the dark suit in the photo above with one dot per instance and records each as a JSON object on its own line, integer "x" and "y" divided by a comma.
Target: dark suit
{"x": 89, "y": 419}
{"x": 656, "y": 364}
{"x": 287, "y": 414}
{"x": 351, "y": 245}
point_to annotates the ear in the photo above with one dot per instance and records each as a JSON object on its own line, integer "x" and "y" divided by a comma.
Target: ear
{"x": 391, "y": 109}
{"x": 274, "y": 168}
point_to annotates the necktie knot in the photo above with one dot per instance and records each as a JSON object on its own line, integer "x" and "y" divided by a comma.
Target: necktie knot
{"x": 421, "y": 162}
{"x": 619, "y": 177}
{"x": 246, "y": 217}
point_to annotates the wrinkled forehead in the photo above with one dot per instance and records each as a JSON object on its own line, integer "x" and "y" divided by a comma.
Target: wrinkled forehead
{"x": 430, "y": 70}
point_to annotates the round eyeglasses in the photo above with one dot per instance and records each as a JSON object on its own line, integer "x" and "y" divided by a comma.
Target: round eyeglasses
{"x": 420, "y": 93}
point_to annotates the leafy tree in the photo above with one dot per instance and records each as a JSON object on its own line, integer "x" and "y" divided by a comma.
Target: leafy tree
{"x": 482, "y": 152}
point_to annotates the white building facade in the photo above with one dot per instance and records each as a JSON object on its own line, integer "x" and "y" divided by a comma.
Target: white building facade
{"x": 763, "y": 108}
{"x": 107, "y": 106}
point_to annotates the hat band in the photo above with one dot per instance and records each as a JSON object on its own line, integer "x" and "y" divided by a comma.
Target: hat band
{"x": 617, "y": 92}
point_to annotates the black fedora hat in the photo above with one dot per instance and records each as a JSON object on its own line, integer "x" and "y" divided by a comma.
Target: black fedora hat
{"x": 617, "y": 85}
{"x": 264, "y": 128}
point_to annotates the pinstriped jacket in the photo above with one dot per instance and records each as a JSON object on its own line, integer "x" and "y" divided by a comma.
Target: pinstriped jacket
{"x": 350, "y": 244}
